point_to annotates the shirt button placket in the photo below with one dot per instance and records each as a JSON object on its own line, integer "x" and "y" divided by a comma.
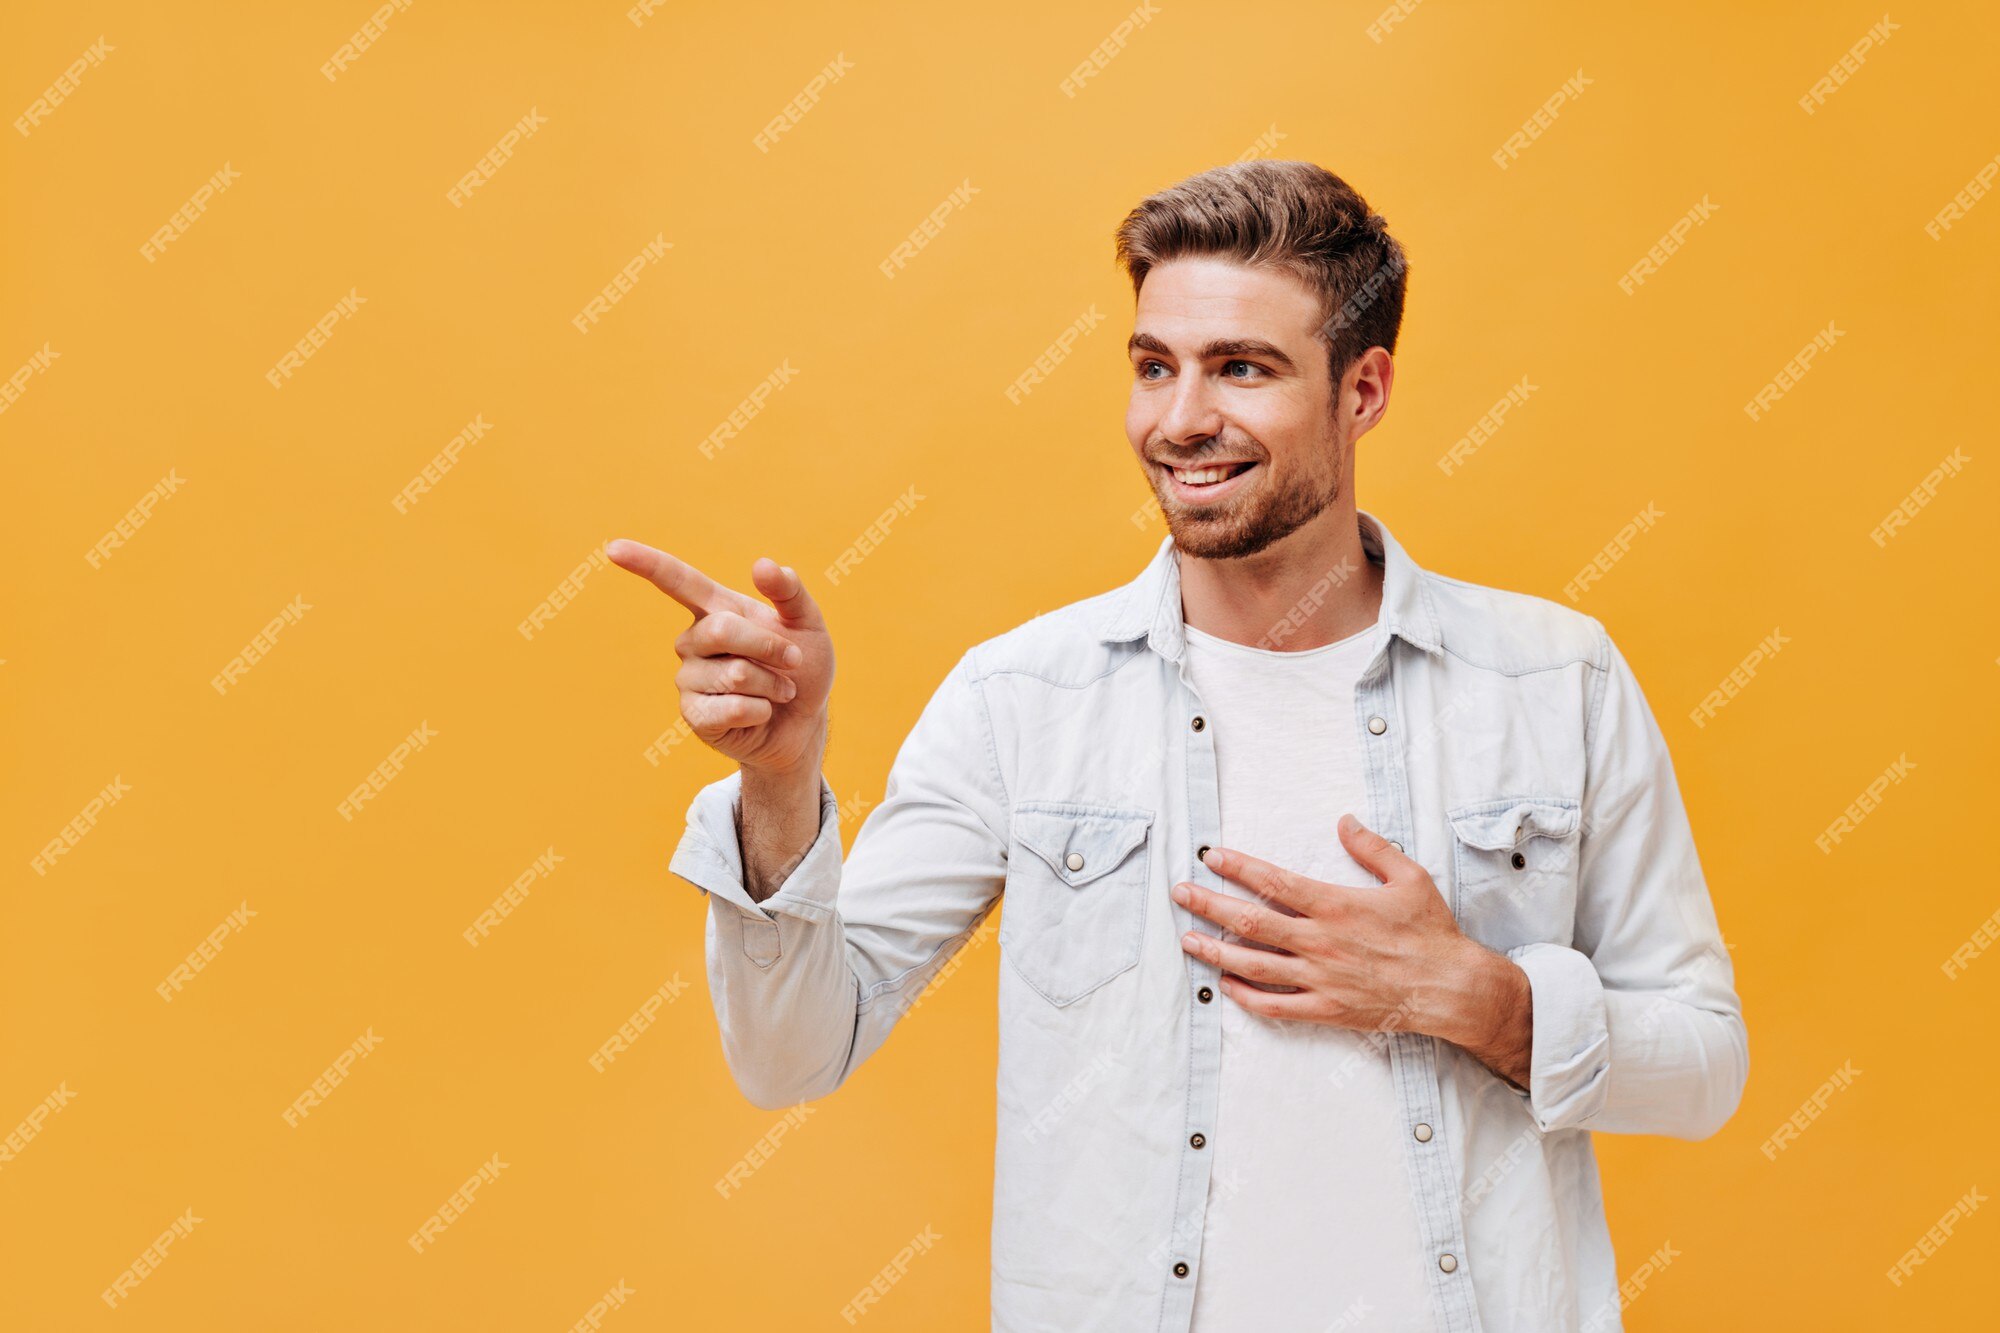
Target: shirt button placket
{"x": 1383, "y": 765}
{"x": 1204, "y": 1030}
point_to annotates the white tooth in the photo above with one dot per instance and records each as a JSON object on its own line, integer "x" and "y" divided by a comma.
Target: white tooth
{"x": 1204, "y": 477}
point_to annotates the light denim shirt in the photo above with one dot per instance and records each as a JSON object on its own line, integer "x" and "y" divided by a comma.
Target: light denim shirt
{"x": 1067, "y": 766}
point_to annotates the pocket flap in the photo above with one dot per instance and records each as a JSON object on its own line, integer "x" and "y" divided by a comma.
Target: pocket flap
{"x": 1498, "y": 826}
{"x": 1099, "y": 839}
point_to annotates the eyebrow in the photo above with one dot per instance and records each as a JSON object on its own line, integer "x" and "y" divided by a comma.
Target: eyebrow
{"x": 1222, "y": 347}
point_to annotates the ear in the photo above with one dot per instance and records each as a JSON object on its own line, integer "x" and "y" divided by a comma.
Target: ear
{"x": 1364, "y": 391}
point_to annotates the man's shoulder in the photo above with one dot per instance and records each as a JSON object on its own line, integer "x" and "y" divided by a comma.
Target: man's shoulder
{"x": 1064, "y": 646}
{"x": 1511, "y": 632}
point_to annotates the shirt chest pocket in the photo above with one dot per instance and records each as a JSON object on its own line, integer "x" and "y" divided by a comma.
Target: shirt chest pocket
{"x": 1075, "y": 905}
{"x": 1514, "y": 870}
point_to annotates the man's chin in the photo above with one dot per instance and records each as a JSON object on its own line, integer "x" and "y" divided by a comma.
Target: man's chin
{"x": 1226, "y": 532}
{"x": 1209, "y": 536}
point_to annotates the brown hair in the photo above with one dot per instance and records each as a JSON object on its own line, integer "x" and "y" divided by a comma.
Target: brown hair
{"x": 1296, "y": 217}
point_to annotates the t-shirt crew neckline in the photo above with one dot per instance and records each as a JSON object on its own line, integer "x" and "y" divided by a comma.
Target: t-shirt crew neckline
{"x": 1280, "y": 654}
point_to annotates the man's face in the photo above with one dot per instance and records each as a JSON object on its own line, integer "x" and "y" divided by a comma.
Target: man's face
{"x": 1228, "y": 374}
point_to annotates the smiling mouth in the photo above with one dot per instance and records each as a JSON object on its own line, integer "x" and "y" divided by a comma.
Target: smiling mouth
{"x": 1211, "y": 475}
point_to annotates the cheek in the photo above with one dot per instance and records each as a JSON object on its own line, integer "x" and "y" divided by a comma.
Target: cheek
{"x": 1140, "y": 419}
{"x": 1294, "y": 439}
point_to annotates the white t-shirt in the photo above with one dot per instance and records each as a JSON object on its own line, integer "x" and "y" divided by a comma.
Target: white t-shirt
{"x": 1309, "y": 1209}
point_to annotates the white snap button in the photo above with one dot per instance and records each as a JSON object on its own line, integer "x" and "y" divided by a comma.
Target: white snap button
{"x": 1449, "y": 1263}
{"x": 1423, "y": 1133}
{"x": 1074, "y": 861}
{"x": 1377, "y": 726}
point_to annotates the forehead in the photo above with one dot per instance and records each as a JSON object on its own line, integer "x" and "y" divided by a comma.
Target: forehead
{"x": 1204, "y": 296}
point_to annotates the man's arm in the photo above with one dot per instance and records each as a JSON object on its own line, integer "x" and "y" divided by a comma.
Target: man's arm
{"x": 1637, "y": 1028}
{"x": 810, "y": 962}
{"x": 809, "y": 976}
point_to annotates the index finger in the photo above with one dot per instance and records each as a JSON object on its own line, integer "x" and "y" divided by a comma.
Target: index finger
{"x": 1270, "y": 882}
{"x": 676, "y": 578}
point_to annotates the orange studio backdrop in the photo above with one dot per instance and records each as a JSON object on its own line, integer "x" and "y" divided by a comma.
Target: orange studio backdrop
{"x": 344, "y": 984}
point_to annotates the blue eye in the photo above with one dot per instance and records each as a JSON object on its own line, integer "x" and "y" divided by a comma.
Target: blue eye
{"x": 1145, "y": 366}
{"x": 1250, "y": 365}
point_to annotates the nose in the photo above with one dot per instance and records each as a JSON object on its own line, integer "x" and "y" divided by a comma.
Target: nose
{"x": 1194, "y": 414}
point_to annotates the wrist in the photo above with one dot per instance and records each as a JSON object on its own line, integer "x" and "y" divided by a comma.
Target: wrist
{"x": 1503, "y": 1017}
{"x": 788, "y": 778}
{"x": 1488, "y": 1011}
{"x": 788, "y": 787}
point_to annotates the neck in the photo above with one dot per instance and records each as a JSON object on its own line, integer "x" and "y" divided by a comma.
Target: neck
{"x": 1313, "y": 587}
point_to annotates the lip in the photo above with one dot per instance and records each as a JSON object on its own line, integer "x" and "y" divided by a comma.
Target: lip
{"x": 1204, "y": 495}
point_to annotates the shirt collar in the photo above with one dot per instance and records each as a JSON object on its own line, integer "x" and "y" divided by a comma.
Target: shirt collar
{"x": 1150, "y": 605}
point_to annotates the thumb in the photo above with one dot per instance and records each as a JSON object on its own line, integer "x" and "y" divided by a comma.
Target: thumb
{"x": 786, "y": 592}
{"x": 1369, "y": 848}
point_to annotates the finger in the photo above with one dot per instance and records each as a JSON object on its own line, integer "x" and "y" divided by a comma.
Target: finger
{"x": 726, "y": 634}
{"x": 1280, "y": 969}
{"x": 676, "y": 578}
{"x": 1252, "y": 921}
{"x": 1269, "y": 882}
{"x": 733, "y": 675}
{"x": 712, "y": 714}
{"x": 1300, "y": 1006}
{"x": 786, "y": 592}
{"x": 1372, "y": 851}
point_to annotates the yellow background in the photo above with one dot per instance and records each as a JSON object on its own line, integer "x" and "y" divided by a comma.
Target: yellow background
{"x": 611, "y": 1175}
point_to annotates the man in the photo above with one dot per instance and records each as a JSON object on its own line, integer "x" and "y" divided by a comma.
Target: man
{"x": 1343, "y": 900}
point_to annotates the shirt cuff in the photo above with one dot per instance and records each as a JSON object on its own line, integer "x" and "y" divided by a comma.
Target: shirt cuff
{"x": 710, "y": 855}
{"x": 1570, "y": 1061}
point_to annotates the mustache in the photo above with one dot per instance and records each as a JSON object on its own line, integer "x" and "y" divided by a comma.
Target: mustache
{"x": 1233, "y": 447}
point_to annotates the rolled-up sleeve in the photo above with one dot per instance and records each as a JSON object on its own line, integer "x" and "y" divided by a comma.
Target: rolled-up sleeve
{"x": 1637, "y": 1028}
{"x": 809, "y": 982}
